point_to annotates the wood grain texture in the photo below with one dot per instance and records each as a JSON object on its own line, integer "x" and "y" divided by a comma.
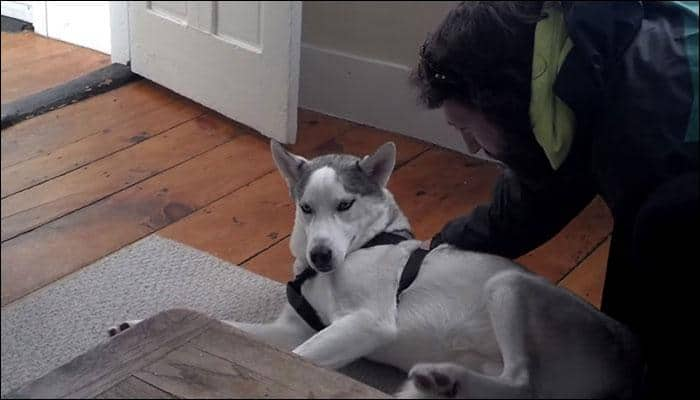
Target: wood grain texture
{"x": 114, "y": 360}
{"x": 53, "y": 250}
{"x": 242, "y": 223}
{"x": 279, "y": 366}
{"x": 134, "y": 388}
{"x": 574, "y": 243}
{"x": 42, "y": 65}
{"x": 275, "y": 262}
{"x": 44, "y": 134}
{"x": 187, "y": 354}
{"x": 587, "y": 279}
{"x": 29, "y": 44}
{"x": 40, "y": 169}
{"x": 43, "y": 203}
{"x": 440, "y": 185}
{"x": 363, "y": 140}
{"x": 189, "y": 372}
{"x": 32, "y": 48}
{"x": 17, "y": 40}
{"x": 314, "y": 129}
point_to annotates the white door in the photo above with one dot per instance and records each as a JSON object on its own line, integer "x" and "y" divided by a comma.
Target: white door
{"x": 239, "y": 58}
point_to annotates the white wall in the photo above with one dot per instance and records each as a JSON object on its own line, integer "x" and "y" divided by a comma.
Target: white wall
{"x": 21, "y": 10}
{"x": 389, "y": 31}
{"x": 356, "y": 59}
{"x": 85, "y": 23}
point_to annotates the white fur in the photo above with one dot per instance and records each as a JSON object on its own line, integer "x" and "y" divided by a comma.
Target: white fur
{"x": 470, "y": 325}
{"x": 325, "y": 226}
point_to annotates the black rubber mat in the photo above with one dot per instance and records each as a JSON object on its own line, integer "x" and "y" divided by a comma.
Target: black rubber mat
{"x": 10, "y": 24}
{"x": 91, "y": 84}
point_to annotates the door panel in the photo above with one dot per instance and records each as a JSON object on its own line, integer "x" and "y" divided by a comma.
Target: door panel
{"x": 238, "y": 58}
{"x": 247, "y": 13}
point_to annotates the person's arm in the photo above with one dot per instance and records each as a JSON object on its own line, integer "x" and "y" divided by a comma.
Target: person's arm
{"x": 520, "y": 217}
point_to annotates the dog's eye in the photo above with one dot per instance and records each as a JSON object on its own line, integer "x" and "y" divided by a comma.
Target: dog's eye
{"x": 306, "y": 209}
{"x": 345, "y": 205}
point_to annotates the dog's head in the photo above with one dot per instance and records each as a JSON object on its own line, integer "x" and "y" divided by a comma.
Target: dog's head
{"x": 341, "y": 202}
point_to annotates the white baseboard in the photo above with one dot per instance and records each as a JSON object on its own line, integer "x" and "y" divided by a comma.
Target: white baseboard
{"x": 369, "y": 92}
{"x": 21, "y": 10}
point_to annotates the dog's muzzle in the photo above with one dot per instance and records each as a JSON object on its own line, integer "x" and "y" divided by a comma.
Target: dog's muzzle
{"x": 322, "y": 258}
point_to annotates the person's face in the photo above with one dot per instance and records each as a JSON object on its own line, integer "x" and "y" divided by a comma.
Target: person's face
{"x": 477, "y": 131}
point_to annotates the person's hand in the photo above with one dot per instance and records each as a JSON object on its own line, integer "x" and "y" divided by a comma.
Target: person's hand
{"x": 425, "y": 245}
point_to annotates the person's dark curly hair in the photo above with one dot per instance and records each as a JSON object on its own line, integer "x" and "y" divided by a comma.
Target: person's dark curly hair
{"x": 481, "y": 56}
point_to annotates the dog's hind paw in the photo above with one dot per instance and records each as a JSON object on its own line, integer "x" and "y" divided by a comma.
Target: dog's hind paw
{"x": 436, "y": 380}
{"x": 117, "y": 329}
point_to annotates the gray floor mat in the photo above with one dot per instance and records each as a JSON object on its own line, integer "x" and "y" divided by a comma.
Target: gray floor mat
{"x": 57, "y": 323}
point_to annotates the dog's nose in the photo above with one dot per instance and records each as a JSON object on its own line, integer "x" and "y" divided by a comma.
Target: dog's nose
{"x": 321, "y": 258}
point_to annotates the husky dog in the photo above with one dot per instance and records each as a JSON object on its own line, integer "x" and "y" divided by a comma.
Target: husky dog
{"x": 469, "y": 325}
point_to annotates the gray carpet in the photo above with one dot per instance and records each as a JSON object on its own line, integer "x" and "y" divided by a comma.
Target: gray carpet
{"x": 57, "y": 323}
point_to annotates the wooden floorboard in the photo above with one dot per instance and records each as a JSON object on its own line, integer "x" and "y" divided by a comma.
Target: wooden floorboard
{"x": 440, "y": 185}
{"x": 274, "y": 262}
{"x": 40, "y": 169}
{"x": 26, "y": 59}
{"x": 53, "y": 199}
{"x": 573, "y": 244}
{"x": 48, "y": 132}
{"x": 49, "y": 67}
{"x": 34, "y": 46}
{"x": 316, "y": 130}
{"x": 56, "y": 249}
{"x": 22, "y": 49}
{"x": 586, "y": 280}
{"x": 242, "y": 223}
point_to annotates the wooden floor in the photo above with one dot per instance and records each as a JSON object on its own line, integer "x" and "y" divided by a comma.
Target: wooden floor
{"x": 84, "y": 181}
{"x": 32, "y": 63}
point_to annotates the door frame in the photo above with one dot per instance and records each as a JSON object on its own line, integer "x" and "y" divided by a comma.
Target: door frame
{"x": 119, "y": 29}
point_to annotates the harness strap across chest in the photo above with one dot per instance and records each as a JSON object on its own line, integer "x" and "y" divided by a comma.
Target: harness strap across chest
{"x": 409, "y": 274}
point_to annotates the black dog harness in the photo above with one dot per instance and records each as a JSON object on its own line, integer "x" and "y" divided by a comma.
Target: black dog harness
{"x": 409, "y": 274}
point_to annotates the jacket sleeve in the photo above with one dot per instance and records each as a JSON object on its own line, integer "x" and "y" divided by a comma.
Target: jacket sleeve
{"x": 520, "y": 216}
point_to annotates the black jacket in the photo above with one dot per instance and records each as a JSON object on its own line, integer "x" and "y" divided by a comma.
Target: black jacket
{"x": 628, "y": 80}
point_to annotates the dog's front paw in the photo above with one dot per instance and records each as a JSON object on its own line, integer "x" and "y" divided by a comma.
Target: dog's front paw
{"x": 117, "y": 329}
{"x": 436, "y": 380}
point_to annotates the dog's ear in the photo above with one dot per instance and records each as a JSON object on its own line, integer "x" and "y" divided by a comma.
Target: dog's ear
{"x": 379, "y": 165}
{"x": 289, "y": 165}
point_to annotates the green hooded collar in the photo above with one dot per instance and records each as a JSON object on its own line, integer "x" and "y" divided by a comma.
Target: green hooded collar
{"x": 552, "y": 120}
